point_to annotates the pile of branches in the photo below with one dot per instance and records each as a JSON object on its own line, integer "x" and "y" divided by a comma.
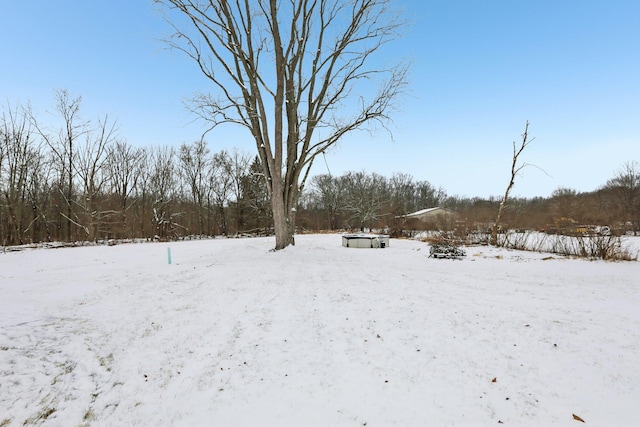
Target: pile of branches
{"x": 446, "y": 250}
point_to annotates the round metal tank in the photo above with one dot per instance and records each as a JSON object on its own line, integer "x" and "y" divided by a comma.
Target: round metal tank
{"x": 365, "y": 241}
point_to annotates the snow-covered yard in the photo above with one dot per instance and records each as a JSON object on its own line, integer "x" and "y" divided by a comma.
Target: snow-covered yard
{"x": 232, "y": 334}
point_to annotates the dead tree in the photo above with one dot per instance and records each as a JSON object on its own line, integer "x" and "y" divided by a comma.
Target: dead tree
{"x": 515, "y": 170}
{"x": 296, "y": 74}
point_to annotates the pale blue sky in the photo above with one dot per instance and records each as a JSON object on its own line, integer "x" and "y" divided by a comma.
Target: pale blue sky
{"x": 482, "y": 68}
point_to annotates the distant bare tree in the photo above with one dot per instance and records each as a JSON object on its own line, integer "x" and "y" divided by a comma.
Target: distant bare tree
{"x": 402, "y": 190}
{"x": 194, "y": 163}
{"x": 564, "y": 202}
{"x": 402, "y": 201}
{"x": 364, "y": 198}
{"x": 329, "y": 192}
{"x": 297, "y": 74}
{"x": 143, "y": 195}
{"x": 163, "y": 190}
{"x": 64, "y": 151}
{"x": 221, "y": 185}
{"x": 254, "y": 202}
{"x": 228, "y": 181}
{"x": 39, "y": 189}
{"x": 626, "y": 186}
{"x": 515, "y": 170}
{"x": 124, "y": 163}
{"x": 428, "y": 196}
{"x": 18, "y": 155}
{"x": 240, "y": 164}
{"x": 93, "y": 174}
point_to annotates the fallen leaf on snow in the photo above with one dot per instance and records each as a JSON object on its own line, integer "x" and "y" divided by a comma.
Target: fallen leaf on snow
{"x": 577, "y": 418}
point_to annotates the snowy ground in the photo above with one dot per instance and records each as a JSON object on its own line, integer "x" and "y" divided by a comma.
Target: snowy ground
{"x": 231, "y": 334}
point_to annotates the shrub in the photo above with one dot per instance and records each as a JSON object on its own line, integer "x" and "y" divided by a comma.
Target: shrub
{"x": 595, "y": 246}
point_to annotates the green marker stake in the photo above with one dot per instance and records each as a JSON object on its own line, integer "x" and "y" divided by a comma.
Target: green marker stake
{"x": 169, "y": 255}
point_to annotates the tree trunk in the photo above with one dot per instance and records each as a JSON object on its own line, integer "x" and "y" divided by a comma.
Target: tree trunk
{"x": 283, "y": 222}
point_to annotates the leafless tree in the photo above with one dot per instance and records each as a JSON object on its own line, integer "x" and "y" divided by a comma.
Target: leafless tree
{"x": 403, "y": 193}
{"x": 93, "y": 174}
{"x": 124, "y": 164}
{"x": 564, "y": 203}
{"x": 516, "y": 168}
{"x": 429, "y": 196}
{"x": 626, "y": 187}
{"x": 239, "y": 163}
{"x": 194, "y": 164}
{"x": 163, "y": 189}
{"x": 64, "y": 150}
{"x": 18, "y": 155}
{"x": 39, "y": 189}
{"x": 221, "y": 184}
{"x": 227, "y": 181}
{"x": 404, "y": 196}
{"x": 296, "y": 73}
{"x": 143, "y": 195}
{"x": 254, "y": 203}
{"x": 364, "y": 198}
{"x": 329, "y": 194}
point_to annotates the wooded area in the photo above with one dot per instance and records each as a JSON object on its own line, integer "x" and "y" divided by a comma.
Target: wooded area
{"x": 84, "y": 182}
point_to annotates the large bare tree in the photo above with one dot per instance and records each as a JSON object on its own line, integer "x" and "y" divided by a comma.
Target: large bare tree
{"x": 298, "y": 74}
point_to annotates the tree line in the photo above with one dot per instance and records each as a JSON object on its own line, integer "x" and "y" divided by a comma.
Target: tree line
{"x": 82, "y": 182}
{"x": 359, "y": 200}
